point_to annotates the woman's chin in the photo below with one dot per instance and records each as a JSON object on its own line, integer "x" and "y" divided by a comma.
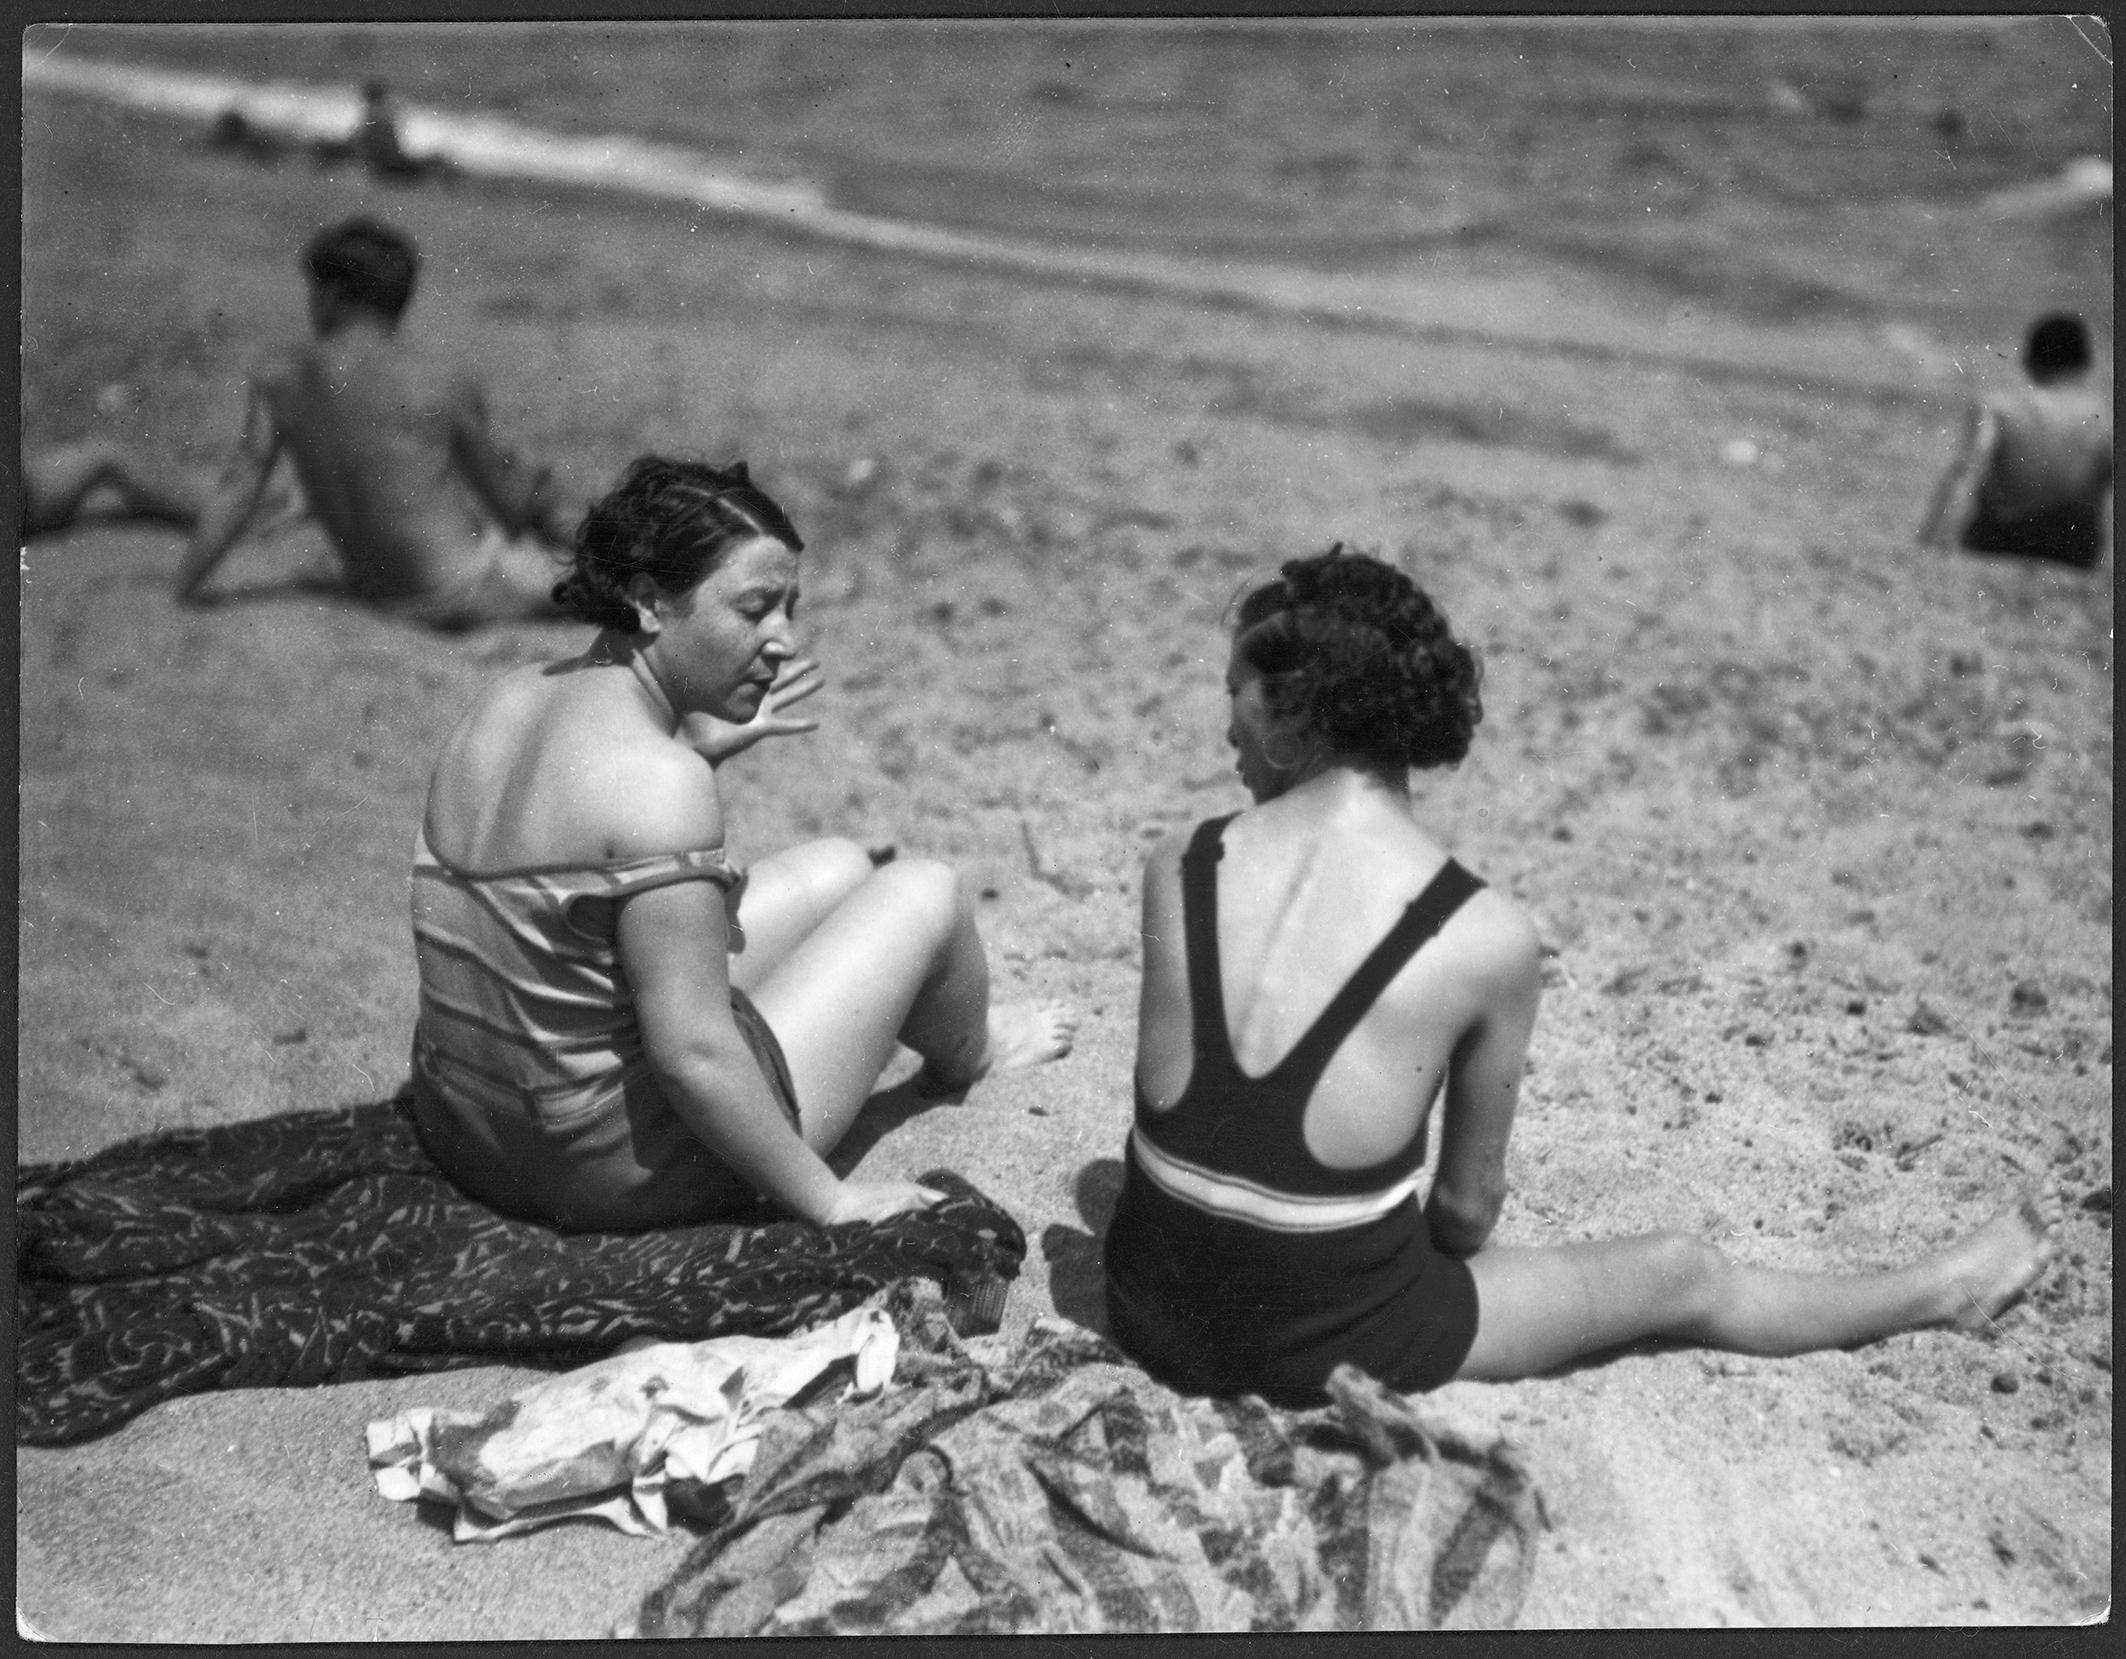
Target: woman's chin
{"x": 739, "y": 706}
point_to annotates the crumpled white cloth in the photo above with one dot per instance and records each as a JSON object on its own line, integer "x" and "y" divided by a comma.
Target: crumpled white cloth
{"x": 605, "y": 1441}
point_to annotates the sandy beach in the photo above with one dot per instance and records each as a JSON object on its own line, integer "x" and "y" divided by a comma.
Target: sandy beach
{"x": 1643, "y": 370}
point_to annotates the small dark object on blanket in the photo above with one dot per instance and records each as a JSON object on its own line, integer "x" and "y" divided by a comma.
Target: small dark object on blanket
{"x": 1062, "y": 1490}
{"x": 325, "y": 1246}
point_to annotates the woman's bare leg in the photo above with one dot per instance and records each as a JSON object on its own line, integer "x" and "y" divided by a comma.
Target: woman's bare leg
{"x": 57, "y": 483}
{"x": 1540, "y": 1308}
{"x": 786, "y": 896}
{"x": 898, "y": 961}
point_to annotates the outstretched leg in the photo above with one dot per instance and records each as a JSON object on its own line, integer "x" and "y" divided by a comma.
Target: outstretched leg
{"x": 1541, "y": 1308}
{"x": 58, "y": 482}
{"x": 898, "y": 961}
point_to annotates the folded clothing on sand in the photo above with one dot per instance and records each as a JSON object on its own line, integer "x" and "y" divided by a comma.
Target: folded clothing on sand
{"x": 607, "y": 1441}
{"x": 326, "y": 1246}
{"x": 1062, "y": 1490}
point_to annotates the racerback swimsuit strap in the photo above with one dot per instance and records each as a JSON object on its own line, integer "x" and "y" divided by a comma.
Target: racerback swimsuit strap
{"x": 1199, "y": 924}
{"x": 1423, "y": 917}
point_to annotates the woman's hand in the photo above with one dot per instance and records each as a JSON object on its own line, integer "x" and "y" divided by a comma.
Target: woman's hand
{"x": 717, "y": 740}
{"x": 878, "y": 1200}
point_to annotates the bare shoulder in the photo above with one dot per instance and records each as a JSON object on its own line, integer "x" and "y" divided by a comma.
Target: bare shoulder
{"x": 279, "y": 369}
{"x": 383, "y": 367}
{"x": 559, "y": 772}
{"x": 629, "y": 786}
{"x": 2079, "y": 403}
{"x": 671, "y": 802}
{"x": 1496, "y": 941}
{"x": 518, "y": 699}
{"x": 1160, "y": 901}
{"x": 1162, "y": 865}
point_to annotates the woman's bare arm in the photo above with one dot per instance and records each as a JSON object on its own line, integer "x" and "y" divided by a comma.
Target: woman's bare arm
{"x": 1162, "y": 1046}
{"x": 1484, "y": 1081}
{"x": 674, "y": 946}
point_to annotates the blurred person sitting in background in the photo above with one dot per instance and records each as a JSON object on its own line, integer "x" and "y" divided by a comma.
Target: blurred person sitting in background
{"x": 394, "y": 455}
{"x": 100, "y": 481}
{"x": 2032, "y": 475}
{"x": 93, "y": 478}
{"x": 377, "y": 144}
{"x": 375, "y": 140}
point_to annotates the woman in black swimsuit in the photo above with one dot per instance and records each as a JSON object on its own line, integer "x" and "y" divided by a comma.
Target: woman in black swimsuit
{"x": 1317, "y": 970}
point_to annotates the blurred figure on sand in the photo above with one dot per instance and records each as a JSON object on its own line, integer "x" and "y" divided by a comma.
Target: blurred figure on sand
{"x": 67, "y": 484}
{"x": 98, "y": 481}
{"x": 377, "y": 145}
{"x": 393, "y": 453}
{"x": 620, "y": 1029}
{"x": 1318, "y": 972}
{"x": 375, "y": 141}
{"x": 2032, "y": 474}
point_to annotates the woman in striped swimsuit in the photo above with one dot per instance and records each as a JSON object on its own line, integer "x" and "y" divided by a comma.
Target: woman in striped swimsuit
{"x": 1317, "y": 971}
{"x": 618, "y": 1029}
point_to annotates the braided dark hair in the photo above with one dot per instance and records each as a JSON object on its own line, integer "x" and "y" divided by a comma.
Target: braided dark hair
{"x": 669, "y": 520}
{"x": 1360, "y": 651}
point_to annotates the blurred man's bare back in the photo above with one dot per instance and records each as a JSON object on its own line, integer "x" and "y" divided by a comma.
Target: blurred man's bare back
{"x": 392, "y": 448}
{"x": 2054, "y": 445}
{"x": 372, "y": 429}
{"x": 2032, "y": 474}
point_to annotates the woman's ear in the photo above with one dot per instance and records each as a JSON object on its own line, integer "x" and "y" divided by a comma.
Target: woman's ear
{"x": 1286, "y": 726}
{"x": 1289, "y": 742}
{"x": 642, "y": 593}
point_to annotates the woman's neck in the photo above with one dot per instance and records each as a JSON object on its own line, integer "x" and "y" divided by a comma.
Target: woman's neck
{"x": 614, "y": 649}
{"x": 1349, "y": 777}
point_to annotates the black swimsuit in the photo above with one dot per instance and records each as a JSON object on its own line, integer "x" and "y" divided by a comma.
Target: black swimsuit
{"x": 1239, "y": 1264}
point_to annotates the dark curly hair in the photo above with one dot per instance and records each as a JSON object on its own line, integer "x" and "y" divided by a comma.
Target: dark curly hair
{"x": 366, "y": 262}
{"x": 669, "y": 520}
{"x": 1359, "y": 651}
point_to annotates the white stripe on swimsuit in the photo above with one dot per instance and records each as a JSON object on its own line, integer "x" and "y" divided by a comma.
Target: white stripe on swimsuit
{"x": 1233, "y": 1199}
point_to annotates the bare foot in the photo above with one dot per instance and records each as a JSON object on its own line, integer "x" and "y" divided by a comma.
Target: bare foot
{"x": 1020, "y": 1034}
{"x": 1995, "y": 1265}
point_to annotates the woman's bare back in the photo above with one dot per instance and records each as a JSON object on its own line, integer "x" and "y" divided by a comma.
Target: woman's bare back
{"x": 552, "y": 767}
{"x": 1308, "y": 884}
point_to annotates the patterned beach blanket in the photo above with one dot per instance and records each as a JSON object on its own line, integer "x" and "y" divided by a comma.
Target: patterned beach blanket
{"x": 325, "y": 1246}
{"x": 1062, "y": 1490}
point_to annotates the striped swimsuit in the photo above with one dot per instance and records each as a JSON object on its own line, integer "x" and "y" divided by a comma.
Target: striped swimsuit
{"x": 530, "y": 1086}
{"x": 1239, "y": 1264}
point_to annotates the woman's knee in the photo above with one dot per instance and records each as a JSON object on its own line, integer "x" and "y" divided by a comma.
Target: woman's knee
{"x": 833, "y": 867}
{"x": 1693, "y": 1274}
{"x": 926, "y": 893}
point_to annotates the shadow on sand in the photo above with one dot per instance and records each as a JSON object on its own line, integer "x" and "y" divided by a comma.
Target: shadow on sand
{"x": 1077, "y": 1276}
